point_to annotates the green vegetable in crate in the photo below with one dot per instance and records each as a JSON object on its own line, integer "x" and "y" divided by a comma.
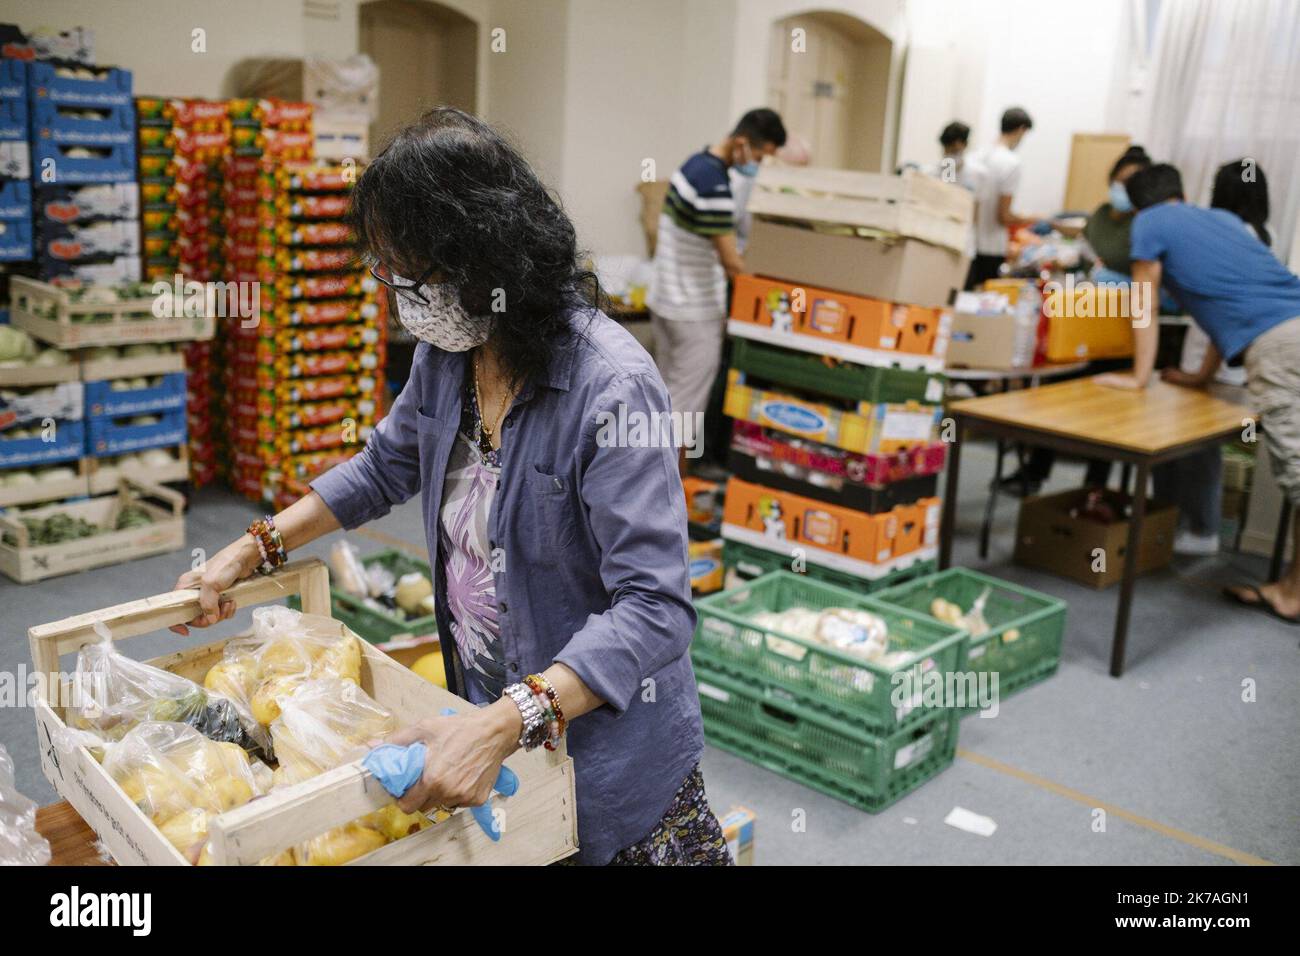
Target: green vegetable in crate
{"x": 132, "y": 516}
{"x": 16, "y": 345}
{"x": 55, "y": 529}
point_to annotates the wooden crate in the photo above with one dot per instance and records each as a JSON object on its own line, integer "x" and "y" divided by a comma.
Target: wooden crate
{"x": 102, "y": 483}
{"x": 540, "y": 825}
{"x": 44, "y": 490}
{"x": 25, "y": 376}
{"x": 25, "y": 562}
{"x": 911, "y": 205}
{"x": 99, "y": 370}
{"x": 47, "y": 312}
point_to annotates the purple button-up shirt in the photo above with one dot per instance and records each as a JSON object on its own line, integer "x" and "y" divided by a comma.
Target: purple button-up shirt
{"x": 590, "y": 523}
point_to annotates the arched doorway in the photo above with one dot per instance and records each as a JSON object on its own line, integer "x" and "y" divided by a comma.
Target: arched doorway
{"x": 427, "y": 55}
{"x": 828, "y": 77}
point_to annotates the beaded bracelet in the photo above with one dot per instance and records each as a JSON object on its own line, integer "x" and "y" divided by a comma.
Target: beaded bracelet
{"x": 270, "y": 546}
{"x": 544, "y": 690}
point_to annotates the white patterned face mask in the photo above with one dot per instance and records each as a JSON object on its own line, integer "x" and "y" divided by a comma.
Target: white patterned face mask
{"x": 442, "y": 322}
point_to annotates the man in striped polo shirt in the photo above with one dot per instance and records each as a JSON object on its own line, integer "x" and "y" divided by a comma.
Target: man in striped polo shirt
{"x": 695, "y": 255}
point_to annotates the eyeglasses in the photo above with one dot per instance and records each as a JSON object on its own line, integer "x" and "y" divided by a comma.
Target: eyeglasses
{"x": 399, "y": 285}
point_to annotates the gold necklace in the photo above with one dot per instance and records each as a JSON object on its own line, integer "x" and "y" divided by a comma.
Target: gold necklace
{"x": 488, "y": 430}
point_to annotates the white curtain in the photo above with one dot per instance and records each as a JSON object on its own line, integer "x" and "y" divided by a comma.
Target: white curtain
{"x": 1224, "y": 84}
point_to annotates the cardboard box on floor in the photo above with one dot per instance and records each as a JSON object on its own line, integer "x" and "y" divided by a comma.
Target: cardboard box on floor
{"x": 738, "y": 829}
{"x": 1089, "y": 552}
{"x": 897, "y": 270}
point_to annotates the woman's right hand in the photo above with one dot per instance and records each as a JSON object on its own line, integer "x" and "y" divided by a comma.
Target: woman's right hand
{"x": 232, "y": 563}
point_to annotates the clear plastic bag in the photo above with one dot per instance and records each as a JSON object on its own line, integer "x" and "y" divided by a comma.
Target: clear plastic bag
{"x": 20, "y": 843}
{"x": 323, "y": 724}
{"x": 346, "y": 569}
{"x": 284, "y": 650}
{"x": 112, "y": 693}
{"x": 181, "y": 779}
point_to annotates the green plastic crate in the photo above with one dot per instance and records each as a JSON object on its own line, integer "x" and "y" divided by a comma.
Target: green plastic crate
{"x": 375, "y": 626}
{"x": 726, "y": 638}
{"x": 1034, "y": 622}
{"x": 822, "y": 751}
{"x": 749, "y": 563}
{"x": 857, "y": 383}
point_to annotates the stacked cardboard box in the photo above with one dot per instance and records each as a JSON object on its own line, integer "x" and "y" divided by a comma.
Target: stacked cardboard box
{"x": 302, "y": 385}
{"x": 15, "y": 164}
{"x": 836, "y": 383}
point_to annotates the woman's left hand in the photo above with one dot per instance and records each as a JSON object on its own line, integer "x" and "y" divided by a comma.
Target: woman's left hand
{"x": 465, "y": 752}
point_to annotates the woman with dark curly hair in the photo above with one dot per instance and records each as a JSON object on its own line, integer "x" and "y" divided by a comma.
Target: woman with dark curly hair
{"x": 558, "y": 542}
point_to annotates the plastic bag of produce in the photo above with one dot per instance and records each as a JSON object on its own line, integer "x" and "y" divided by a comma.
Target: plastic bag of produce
{"x": 323, "y": 724}
{"x": 111, "y": 693}
{"x": 346, "y": 570}
{"x": 284, "y": 649}
{"x": 20, "y": 844}
{"x": 181, "y": 779}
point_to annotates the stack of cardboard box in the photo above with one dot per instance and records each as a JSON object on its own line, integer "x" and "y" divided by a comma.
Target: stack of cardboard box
{"x": 836, "y": 383}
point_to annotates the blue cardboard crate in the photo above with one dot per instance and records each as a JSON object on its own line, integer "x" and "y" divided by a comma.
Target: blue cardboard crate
{"x": 76, "y": 242}
{"x": 112, "y": 126}
{"x": 14, "y": 83}
{"x": 111, "y": 87}
{"x": 15, "y": 198}
{"x": 16, "y": 240}
{"x": 102, "y": 400}
{"x": 13, "y": 118}
{"x": 114, "y": 164}
{"x": 66, "y": 204}
{"x": 68, "y": 444}
{"x": 106, "y": 435}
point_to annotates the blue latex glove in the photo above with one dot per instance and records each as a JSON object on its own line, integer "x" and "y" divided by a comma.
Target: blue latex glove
{"x": 399, "y": 768}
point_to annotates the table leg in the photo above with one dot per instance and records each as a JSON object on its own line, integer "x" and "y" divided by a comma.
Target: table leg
{"x": 1125, "y": 473}
{"x": 987, "y": 527}
{"x": 949, "y": 516}
{"x": 1130, "y": 571}
{"x": 1279, "y": 543}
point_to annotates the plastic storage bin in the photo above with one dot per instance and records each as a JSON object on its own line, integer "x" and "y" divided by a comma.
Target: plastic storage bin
{"x": 728, "y": 639}
{"x": 379, "y": 626}
{"x": 822, "y": 751}
{"x": 1023, "y": 642}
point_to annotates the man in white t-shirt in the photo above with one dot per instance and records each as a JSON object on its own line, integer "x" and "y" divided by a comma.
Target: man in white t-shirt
{"x": 996, "y": 189}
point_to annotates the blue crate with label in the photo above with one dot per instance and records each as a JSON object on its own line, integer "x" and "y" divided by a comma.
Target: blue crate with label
{"x": 78, "y": 165}
{"x": 33, "y": 405}
{"x": 67, "y": 204}
{"x": 135, "y": 396}
{"x": 15, "y": 198}
{"x": 13, "y": 82}
{"x": 74, "y": 242}
{"x": 112, "y": 271}
{"x": 13, "y": 118}
{"x": 115, "y": 435}
{"x": 41, "y": 445}
{"x": 79, "y": 85}
{"x": 82, "y": 125}
{"x": 16, "y": 240}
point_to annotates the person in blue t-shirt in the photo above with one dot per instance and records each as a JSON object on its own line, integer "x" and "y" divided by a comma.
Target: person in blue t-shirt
{"x": 1248, "y": 303}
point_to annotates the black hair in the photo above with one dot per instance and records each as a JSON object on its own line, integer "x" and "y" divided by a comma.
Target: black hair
{"x": 1155, "y": 184}
{"x": 954, "y": 132}
{"x": 1014, "y": 119}
{"x": 761, "y": 127}
{"x": 450, "y": 193}
{"x": 1248, "y": 198}
{"x": 1133, "y": 156}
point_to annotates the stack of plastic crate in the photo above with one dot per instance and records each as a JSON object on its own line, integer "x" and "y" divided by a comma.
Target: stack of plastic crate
{"x": 183, "y": 145}
{"x": 15, "y": 164}
{"x": 83, "y": 132}
{"x": 303, "y": 385}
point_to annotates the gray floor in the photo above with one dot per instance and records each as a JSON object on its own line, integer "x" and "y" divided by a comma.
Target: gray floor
{"x": 1182, "y": 770}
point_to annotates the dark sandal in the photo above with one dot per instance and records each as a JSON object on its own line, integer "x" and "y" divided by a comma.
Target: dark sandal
{"x": 1261, "y": 604}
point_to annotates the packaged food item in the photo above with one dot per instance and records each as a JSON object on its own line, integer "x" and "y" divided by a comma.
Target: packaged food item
{"x": 20, "y": 843}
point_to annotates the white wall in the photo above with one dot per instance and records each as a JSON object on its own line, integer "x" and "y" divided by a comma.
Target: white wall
{"x": 1067, "y": 64}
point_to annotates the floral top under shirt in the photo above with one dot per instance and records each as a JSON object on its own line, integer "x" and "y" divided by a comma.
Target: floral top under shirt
{"x": 467, "y": 495}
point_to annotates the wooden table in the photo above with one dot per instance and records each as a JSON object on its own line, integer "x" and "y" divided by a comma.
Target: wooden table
{"x": 72, "y": 842}
{"x": 1002, "y": 378}
{"x": 1142, "y": 428}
